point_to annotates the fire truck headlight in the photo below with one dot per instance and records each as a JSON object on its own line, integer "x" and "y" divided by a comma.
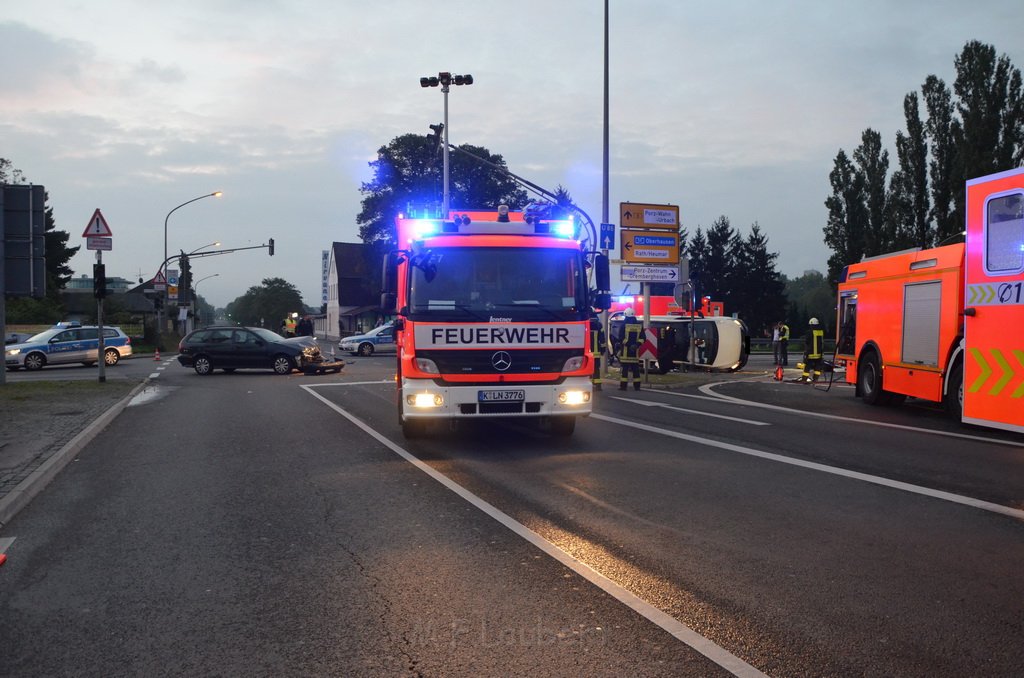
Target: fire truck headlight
{"x": 573, "y": 397}
{"x": 425, "y": 400}
{"x": 573, "y": 364}
{"x": 427, "y": 365}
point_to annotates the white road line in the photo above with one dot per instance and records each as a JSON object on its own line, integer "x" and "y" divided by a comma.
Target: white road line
{"x": 358, "y": 383}
{"x": 649, "y": 403}
{"x": 707, "y": 388}
{"x": 5, "y": 543}
{"x": 680, "y": 631}
{"x": 154, "y": 375}
{"x": 876, "y": 480}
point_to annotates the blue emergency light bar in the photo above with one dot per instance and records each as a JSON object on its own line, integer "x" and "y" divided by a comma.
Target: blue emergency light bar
{"x": 416, "y": 229}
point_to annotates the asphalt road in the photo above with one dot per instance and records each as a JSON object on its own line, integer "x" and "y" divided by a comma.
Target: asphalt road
{"x": 256, "y": 524}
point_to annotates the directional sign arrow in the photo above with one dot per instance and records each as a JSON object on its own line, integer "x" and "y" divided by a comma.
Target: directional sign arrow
{"x": 628, "y": 246}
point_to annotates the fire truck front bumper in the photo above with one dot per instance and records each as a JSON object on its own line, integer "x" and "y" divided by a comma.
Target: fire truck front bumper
{"x": 423, "y": 398}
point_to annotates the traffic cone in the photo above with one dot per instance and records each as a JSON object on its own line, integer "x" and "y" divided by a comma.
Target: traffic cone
{"x": 779, "y": 373}
{"x": 156, "y": 356}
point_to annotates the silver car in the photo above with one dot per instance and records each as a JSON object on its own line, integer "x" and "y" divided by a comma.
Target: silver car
{"x": 63, "y": 345}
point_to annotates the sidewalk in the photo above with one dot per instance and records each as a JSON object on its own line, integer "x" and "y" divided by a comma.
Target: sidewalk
{"x": 44, "y": 425}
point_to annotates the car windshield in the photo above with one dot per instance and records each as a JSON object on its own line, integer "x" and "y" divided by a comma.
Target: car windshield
{"x": 265, "y": 334}
{"x": 42, "y": 337}
{"x": 518, "y": 283}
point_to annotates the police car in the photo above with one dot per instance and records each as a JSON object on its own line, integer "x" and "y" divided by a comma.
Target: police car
{"x": 378, "y": 340}
{"x": 62, "y": 345}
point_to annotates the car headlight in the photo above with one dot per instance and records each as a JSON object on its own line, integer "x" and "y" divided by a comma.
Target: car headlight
{"x": 13, "y": 352}
{"x": 573, "y": 364}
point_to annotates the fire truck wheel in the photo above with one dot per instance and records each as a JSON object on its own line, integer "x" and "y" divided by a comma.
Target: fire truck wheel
{"x": 411, "y": 428}
{"x": 869, "y": 380}
{"x": 953, "y": 401}
{"x": 562, "y": 426}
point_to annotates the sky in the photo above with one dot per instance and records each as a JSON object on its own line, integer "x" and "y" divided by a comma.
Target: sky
{"x": 732, "y": 109}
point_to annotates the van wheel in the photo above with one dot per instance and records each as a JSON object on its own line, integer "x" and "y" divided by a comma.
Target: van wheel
{"x": 869, "y": 380}
{"x": 953, "y": 401}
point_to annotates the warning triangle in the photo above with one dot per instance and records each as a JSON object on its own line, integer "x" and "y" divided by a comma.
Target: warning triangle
{"x": 159, "y": 277}
{"x": 97, "y": 226}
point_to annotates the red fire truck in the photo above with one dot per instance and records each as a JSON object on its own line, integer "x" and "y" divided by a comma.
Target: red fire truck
{"x": 493, "y": 319}
{"x": 945, "y": 324}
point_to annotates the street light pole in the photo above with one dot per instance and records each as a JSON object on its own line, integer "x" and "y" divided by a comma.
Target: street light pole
{"x": 445, "y": 79}
{"x": 160, "y": 315}
{"x": 196, "y": 288}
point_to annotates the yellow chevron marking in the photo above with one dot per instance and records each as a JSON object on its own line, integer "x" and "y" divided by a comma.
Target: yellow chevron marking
{"x": 1019, "y": 355}
{"x": 1007, "y": 373}
{"x": 985, "y": 370}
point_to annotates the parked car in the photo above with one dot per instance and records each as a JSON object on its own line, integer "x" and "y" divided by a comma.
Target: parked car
{"x": 63, "y": 345}
{"x": 230, "y": 348}
{"x": 378, "y": 340}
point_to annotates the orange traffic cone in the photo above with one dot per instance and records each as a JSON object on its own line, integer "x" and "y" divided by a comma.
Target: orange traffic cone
{"x": 156, "y": 356}
{"x": 779, "y": 373}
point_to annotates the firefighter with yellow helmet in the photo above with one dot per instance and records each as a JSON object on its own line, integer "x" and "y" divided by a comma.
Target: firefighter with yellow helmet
{"x": 629, "y": 350}
{"x": 814, "y": 351}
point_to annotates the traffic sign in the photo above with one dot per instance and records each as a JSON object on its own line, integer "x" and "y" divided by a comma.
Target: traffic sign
{"x": 649, "y": 347}
{"x": 654, "y": 247}
{"x": 607, "y": 237}
{"x": 640, "y": 215}
{"x": 649, "y": 274}
{"x": 95, "y": 242}
{"x": 97, "y": 226}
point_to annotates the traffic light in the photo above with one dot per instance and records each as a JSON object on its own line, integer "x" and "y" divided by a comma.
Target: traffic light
{"x": 184, "y": 280}
{"x": 99, "y": 281}
{"x": 436, "y": 137}
{"x": 158, "y": 302}
{"x": 270, "y": 247}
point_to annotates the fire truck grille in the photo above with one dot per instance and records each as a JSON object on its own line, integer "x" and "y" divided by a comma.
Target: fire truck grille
{"x": 528, "y": 361}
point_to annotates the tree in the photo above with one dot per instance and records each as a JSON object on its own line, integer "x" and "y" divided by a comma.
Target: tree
{"x": 266, "y": 304}
{"x": 718, "y": 261}
{"x": 872, "y": 163}
{"x": 407, "y": 176}
{"x": 810, "y": 296}
{"x": 697, "y": 252}
{"x": 942, "y": 130}
{"x": 908, "y": 190}
{"x": 847, "y": 215}
{"x": 759, "y": 293}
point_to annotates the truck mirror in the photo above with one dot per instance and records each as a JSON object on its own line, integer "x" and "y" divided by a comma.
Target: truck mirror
{"x": 602, "y": 275}
{"x": 389, "y": 283}
{"x": 603, "y": 300}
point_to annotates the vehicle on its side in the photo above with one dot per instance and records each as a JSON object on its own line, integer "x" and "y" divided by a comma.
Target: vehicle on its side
{"x": 719, "y": 343}
{"x": 231, "y": 347}
{"x": 378, "y": 340}
{"x": 64, "y": 345}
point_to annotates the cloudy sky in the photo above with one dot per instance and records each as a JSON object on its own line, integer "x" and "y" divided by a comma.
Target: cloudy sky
{"x": 733, "y": 108}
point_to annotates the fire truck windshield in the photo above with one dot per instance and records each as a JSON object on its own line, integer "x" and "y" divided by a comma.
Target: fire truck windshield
{"x": 513, "y": 283}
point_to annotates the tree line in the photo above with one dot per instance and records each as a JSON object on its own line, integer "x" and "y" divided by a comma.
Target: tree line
{"x": 975, "y": 128}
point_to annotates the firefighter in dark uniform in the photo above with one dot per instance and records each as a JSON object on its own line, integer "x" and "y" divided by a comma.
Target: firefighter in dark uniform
{"x": 629, "y": 350}
{"x": 814, "y": 351}
{"x": 597, "y": 342}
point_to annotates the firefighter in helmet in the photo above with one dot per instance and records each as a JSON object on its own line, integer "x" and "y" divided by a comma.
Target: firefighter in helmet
{"x": 597, "y": 343}
{"x": 814, "y": 351}
{"x": 629, "y": 350}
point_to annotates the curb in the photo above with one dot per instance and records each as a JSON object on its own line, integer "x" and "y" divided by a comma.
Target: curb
{"x": 20, "y": 496}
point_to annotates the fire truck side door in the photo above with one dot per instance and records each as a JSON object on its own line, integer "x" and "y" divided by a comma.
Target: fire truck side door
{"x": 994, "y": 302}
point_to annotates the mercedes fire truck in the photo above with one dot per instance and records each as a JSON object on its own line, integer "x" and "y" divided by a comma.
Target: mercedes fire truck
{"x": 493, "y": 319}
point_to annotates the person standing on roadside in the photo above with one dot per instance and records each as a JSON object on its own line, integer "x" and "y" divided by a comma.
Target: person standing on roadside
{"x": 775, "y": 341}
{"x": 784, "y": 343}
{"x": 629, "y": 360}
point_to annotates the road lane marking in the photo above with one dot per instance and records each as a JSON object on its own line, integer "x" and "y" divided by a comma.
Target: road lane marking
{"x": 677, "y": 629}
{"x": 707, "y": 388}
{"x": 648, "y": 403}
{"x": 833, "y": 470}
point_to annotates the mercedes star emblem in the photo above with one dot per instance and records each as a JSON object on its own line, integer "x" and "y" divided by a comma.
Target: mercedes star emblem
{"x": 501, "y": 361}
